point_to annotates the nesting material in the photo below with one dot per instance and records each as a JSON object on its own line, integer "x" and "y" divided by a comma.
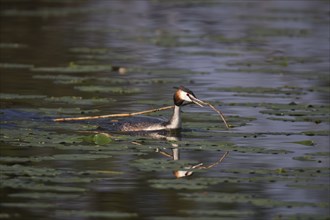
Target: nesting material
{"x": 138, "y": 113}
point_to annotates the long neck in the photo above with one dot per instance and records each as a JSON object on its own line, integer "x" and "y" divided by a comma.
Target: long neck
{"x": 175, "y": 121}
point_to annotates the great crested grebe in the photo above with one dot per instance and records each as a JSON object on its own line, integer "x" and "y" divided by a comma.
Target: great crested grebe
{"x": 181, "y": 95}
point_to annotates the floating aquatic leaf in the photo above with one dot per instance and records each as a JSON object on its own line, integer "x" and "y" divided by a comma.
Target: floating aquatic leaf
{"x": 305, "y": 142}
{"x": 48, "y": 12}
{"x": 304, "y": 158}
{"x": 101, "y": 138}
{"x": 223, "y": 213}
{"x": 12, "y": 45}
{"x": 261, "y": 90}
{"x": 215, "y": 197}
{"x": 18, "y": 96}
{"x": 211, "y": 53}
{"x": 74, "y": 69}
{"x": 63, "y": 79}
{"x": 44, "y": 195}
{"x": 190, "y": 184}
{"x": 27, "y": 171}
{"x": 28, "y": 205}
{"x": 316, "y": 133}
{"x": 279, "y": 32}
{"x": 15, "y": 66}
{"x": 118, "y": 90}
{"x": 56, "y": 111}
{"x": 89, "y": 50}
{"x": 94, "y": 214}
{"x": 319, "y": 154}
{"x": 77, "y": 100}
{"x": 232, "y": 40}
{"x": 165, "y": 71}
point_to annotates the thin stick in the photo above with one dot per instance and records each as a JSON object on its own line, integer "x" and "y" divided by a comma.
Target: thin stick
{"x": 137, "y": 113}
{"x": 219, "y": 112}
{"x": 113, "y": 115}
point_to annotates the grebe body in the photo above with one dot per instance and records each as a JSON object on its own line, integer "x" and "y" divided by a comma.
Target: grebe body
{"x": 181, "y": 95}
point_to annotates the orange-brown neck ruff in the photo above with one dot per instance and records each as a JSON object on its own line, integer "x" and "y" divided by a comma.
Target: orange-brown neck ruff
{"x": 177, "y": 98}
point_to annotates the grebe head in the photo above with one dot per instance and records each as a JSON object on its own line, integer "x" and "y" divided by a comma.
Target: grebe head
{"x": 183, "y": 94}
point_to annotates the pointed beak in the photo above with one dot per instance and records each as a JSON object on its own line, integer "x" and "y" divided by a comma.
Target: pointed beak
{"x": 197, "y": 101}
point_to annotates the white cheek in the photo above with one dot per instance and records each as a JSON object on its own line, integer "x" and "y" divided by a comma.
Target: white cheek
{"x": 184, "y": 96}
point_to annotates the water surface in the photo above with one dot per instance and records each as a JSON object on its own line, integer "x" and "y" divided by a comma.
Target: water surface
{"x": 264, "y": 64}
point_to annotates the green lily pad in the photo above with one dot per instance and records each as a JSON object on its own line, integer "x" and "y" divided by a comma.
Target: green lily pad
{"x": 99, "y": 139}
{"x": 12, "y": 45}
{"x": 279, "y": 32}
{"x": 216, "y": 197}
{"x": 15, "y": 66}
{"x": 320, "y": 154}
{"x": 89, "y": 50}
{"x": 261, "y": 90}
{"x": 305, "y": 142}
{"x": 44, "y": 195}
{"x": 165, "y": 71}
{"x": 117, "y": 90}
{"x": 222, "y": 213}
{"x": 77, "y": 100}
{"x": 18, "y": 96}
{"x": 316, "y": 133}
{"x": 57, "y": 111}
{"x": 183, "y": 183}
{"x": 63, "y": 79}
{"x": 28, "y": 205}
{"x": 94, "y": 214}
{"x": 74, "y": 68}
{"x": 304, "y": 158}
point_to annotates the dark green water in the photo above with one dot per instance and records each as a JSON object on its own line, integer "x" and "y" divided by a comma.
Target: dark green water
{"x": 265, "y": 64}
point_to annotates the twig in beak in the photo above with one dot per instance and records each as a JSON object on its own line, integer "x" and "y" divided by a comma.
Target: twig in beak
{"x": 203, "y": 103}
{"x": 197, "y": 101}
{"x": 219, "y": 112}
